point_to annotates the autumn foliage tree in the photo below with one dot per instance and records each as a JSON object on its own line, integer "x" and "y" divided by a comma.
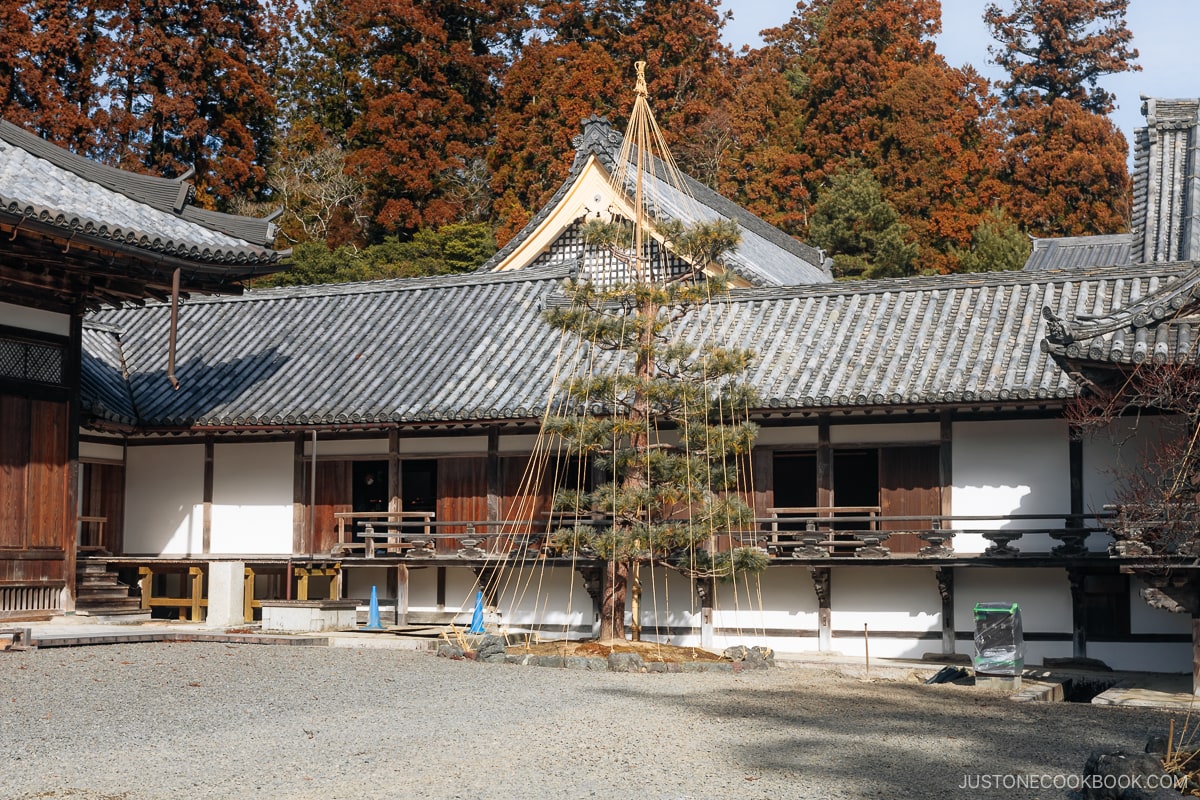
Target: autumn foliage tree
{"x": 579, "y": 56}
{"x": 155, "y": 85}
{"x": 873, "y": 92}
{"x": 414, "y": 86}
{"x": 1064, "y": 162}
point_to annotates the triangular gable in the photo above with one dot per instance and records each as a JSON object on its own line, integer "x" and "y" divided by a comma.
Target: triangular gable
{"x": 766, "y": 255}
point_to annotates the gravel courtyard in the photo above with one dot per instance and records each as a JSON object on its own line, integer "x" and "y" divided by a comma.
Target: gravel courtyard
{"x": 244, "y": 721}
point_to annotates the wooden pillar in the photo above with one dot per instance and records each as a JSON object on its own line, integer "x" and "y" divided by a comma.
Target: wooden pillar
{"x": 1078, "y": 578}
{"x": 946, "y": 462}
{"x": 395, "y": 496}
{"x": 824, "y": 464}
{"x": 206, "y": 538}
{"x": 195, "y": 593}
{"x": 69, "y": 534}
{"x": 441, "y": 588}
{"x": 821, "y": 584}
{"x": 945, "y": 584}
{"x": 495, "y": 489}
{"x": 302, "y": 537}
{"x": 248, "y": 594}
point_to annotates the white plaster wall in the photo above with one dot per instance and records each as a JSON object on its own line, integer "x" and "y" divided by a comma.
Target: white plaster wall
{"x": 347, "y": 447}
{"x": 1043, "y": 595}
{"x": 35, "y": 319}
{"x": 358, "y": 583}
{"x": 1143, "y": 656}
{"x": 788, "y": 603}
{"x": 422, "y": 589}
{"x": 105, "y": 452}
{"x": 252, "y": 498}
{"x": 1108, "y": 455}
{"x": 1144, "y": 619}
{"x": 164, "y": 500}
{"x": 1009, "y": 467}
{"x": 886, "y": 599}
{"x": 441, "y": 445}
{"x": 806, "y": 435}
{"x": 524, "y": 443}
{"x": 550, "y": 597}
{"x": 669, "y": 599}
{"x": 885, "y": 433}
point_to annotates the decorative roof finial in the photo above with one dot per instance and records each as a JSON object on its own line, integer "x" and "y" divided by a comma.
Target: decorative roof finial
{"x": 640, "y": 88}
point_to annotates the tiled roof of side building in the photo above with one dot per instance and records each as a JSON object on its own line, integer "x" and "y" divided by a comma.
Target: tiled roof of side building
{"x": 1154, "y": 323}
{"x": 54, "y": 186}
{"x": 106, "y": 392}
{"x": 765, "y": 256}
{"x": 475, "y": 347}
{"x": 1069, "y": 252}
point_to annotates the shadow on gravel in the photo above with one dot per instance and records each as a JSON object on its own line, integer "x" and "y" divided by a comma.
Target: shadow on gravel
{"x": 908, "y": 740}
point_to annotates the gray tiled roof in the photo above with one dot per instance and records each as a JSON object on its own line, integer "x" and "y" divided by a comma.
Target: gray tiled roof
{"x": 446, "y": 348}
{"x": 43, "y": 182}
{"x": 1068, "y": 252}
{"x": 474, "y": 347}
{"x": 766, "y": 255}
{"x": 105, "y": 390}
{"x": 1155, "y": 322}
{"x": 1166, "y": 182}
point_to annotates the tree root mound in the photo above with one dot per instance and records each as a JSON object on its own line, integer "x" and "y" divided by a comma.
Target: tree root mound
{"x": 649, "y": 651}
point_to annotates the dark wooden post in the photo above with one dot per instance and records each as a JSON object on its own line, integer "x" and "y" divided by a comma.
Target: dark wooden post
{"x": 494, "y": 487}
{"x": 441, "y": 588}
{"x": 1078, "y": 578}
{"x": 824, "y": 464}
{"x": 395, "y": 498}
{"x": 945, "y": 584}
{"x": 821, "y": 585}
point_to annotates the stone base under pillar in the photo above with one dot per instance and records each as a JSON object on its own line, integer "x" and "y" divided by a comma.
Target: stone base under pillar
{"x": 307, "y": 616}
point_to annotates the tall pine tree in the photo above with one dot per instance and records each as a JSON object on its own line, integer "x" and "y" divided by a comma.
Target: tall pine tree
{"x": 673, "y": 432}
{"x": 1064, "y": 161}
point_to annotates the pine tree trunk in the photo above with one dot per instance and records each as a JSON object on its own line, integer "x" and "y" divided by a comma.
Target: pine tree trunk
{"x": 612, "y": 600}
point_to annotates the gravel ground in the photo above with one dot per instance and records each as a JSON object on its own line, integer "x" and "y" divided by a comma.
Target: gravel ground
{"x": 242, "y": 721}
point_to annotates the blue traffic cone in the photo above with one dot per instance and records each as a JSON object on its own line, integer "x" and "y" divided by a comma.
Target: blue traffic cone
{"x": 477, "y": 617}
{"x": 373, "y": 623}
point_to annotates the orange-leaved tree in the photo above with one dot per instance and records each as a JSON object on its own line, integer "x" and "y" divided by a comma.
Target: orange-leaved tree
{"x": 1065, "y": 162}
{"x": 576, "y": 63}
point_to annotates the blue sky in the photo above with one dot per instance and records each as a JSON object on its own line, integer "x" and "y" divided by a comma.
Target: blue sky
{"x": 1165, "y": 33}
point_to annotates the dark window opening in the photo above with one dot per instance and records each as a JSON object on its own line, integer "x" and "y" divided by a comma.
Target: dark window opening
{"x": 1106, "y": 599}
{"x": 418, "y": 489}
{"x": 855, "y": 483}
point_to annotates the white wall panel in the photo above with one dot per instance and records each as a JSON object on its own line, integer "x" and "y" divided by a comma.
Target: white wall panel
{"x": 35, "y": 319}
{"x": 253, "y": 490}
{"x": 164, "y": 500}
{"x": 1010, "y": 467}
